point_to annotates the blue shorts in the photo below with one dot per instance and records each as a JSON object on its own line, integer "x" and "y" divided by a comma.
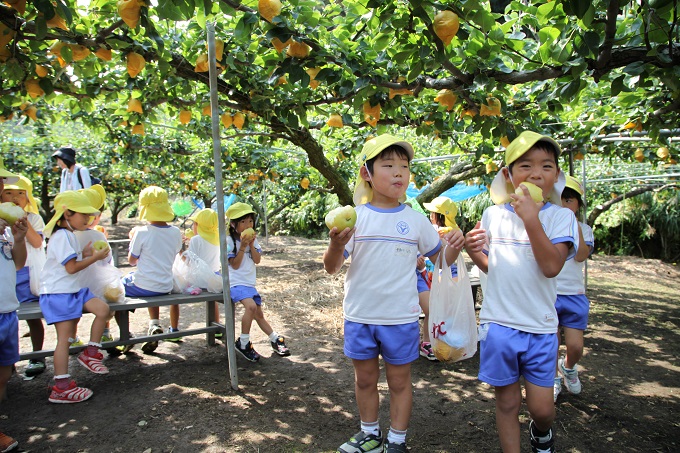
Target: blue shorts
{"x": 397, "y": 344}
{"x": 24, "y": 293}
{"x": 240, "y": 292}
{"x": 64, "y": 306}
{"x": 505, "y": 354}
{"x": 572, "y": 310}
{"x": 9, "y": 338}
{"x": 135, "y": 291}
{"x": 421, "y": 284}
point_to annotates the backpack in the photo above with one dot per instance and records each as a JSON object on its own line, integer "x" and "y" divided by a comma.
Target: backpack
{"x": 93, "y": 179}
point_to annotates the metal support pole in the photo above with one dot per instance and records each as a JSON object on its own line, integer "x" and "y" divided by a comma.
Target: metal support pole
{"x": 219, "y": 188}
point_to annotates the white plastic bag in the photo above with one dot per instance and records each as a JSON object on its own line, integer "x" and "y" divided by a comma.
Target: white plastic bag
{"x": 104, "y": 280}
{"x": 189, "y": 272}
{"x": 453, "y": 326}
{"x": 36, "y": 262}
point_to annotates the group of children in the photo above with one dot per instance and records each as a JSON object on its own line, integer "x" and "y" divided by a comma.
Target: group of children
{"x": 71, "y": 259}
{"x": 532, "y": 253}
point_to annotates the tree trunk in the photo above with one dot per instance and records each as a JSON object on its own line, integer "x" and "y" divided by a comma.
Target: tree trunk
{"x": 116, "y": 208}
{"x": 601, "y": 208}
{"x": 460, "y": 171}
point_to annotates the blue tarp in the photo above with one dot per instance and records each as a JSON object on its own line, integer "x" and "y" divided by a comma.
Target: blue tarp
{"x": 459, "y": 192}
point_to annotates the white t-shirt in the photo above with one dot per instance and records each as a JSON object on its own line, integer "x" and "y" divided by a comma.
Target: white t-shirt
{"x": 570, "y": 279}
{"x": 245, "y": 275}
{"x": 69, "y": 181}
{"x": 210, "y": 253}
{"x": 62, "y": 248}
{"x": 156, "y": 248}
{"x": 92, "y": 236}
{"x": 518, "y": 295}
{"x": 8, "y": 277}
{"x": 380, "y": 285}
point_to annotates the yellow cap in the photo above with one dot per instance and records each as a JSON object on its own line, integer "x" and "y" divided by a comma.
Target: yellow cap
{"x": 96, "y": 194}
{"x": 154, "y": 206}
{"x": 446, "y": 207}
{"x": 238, "y": 210}
{"x": 523, "y": 143}
{"x": 23, "y": 183}
{"x": 575, "y": 184}
{"x": 7, "y": 177}
{"x": 69, "y": 200}
{"x": 206, "y": 225}
{"x": 363, "y": 192}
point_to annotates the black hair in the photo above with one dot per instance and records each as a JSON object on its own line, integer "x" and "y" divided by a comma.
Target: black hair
{"x": 232, "y": 230}
{"x": 440, "y": 219}
{"x": 568, "y": 192}
{"x": 68, "y": 163}
{"x": 388, "y": 152}
{"x": 545, "y": 146}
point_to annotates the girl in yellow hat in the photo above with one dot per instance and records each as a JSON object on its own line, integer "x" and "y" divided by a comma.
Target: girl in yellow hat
{"x": 205, "y": 243}
{"x": 572, "y": 305}
{"x": 443, "y": 218}
{"x": 245, "y": 254}
{"x": 63, "y": 300}
{"x": 153, "y": 248}
{"x": 21, "y": 194}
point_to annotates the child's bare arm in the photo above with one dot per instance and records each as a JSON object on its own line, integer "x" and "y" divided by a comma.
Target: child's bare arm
{"x": 583, "y": 251}
{"x": 33, "y": 237}
{"x": 19, "y": 248}
{"x": 474, "y": 244}
{"x": 334, "y": 255}
{"x": 73, "y": 266}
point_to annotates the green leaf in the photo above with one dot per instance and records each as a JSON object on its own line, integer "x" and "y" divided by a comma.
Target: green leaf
{"x": 569, "y": 90}
{"x": 484, "y": 19}
{"x": 545, "y": 12}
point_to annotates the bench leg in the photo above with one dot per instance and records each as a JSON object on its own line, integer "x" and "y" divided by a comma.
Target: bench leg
{"x": 209, "y": 320}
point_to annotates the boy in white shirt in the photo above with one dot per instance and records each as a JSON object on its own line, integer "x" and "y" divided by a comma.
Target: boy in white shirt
{"x": 522, "y": 245}
{"x": 152, "y": 249}
{"x": 381, "y": 306}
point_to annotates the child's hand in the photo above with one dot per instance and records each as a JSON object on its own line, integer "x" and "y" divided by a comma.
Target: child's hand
{"x": 455, "y": 239}
{"x": 525, "y": 206}
{"x": 475, "y": 239}
{"x": 99, "y": 254}
{"x": 3, "y": 225}
{"x": 420, "y": 263}
{"x": 19, "y": 229}
{"x": 88, "y": 250}
{"x": 341, "y": 238}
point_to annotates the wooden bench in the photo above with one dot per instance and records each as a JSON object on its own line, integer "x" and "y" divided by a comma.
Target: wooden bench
{"x": 31, "y": 310}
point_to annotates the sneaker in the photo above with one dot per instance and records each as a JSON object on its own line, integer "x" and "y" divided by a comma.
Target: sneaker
{"x": 545, "y": 444}
{"x": 34, "y": 368}
{"x": 571, "y": 380}
{"x": 106, "y": 337}
{"x": 72, "y": 394}
{"x": 219, "y": 336}
{"x": 426, "y": 351}
{"x": 557, "y": 388}
{"x": 176, "y": 339}
{"x": 151, "y": 346}
{"x": 75, "y": 342}
{"x": 279, "y": 347}
{"x": 362, "y": 443}
{"x": 122, "y": 349}
{"x": 248, "y": 352}
{"x": 93, "y": 364}
{"x": 393, "y": 447}
{"x": 7, "y": 443}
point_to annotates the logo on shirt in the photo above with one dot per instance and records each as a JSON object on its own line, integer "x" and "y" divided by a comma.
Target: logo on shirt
{"x": 7, "y": 250}
{"x": 403, "y": 228}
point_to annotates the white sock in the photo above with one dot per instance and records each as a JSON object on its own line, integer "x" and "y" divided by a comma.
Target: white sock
{"x": 154, "y": 322}
{"x": 273, "y": 337}
{"x": 371, "y": 427}
{"x": 395, "y": 436}
{"x": 245, "y": 339}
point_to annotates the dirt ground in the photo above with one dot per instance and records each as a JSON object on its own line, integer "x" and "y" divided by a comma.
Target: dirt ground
{"x": 179, "y": 399}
